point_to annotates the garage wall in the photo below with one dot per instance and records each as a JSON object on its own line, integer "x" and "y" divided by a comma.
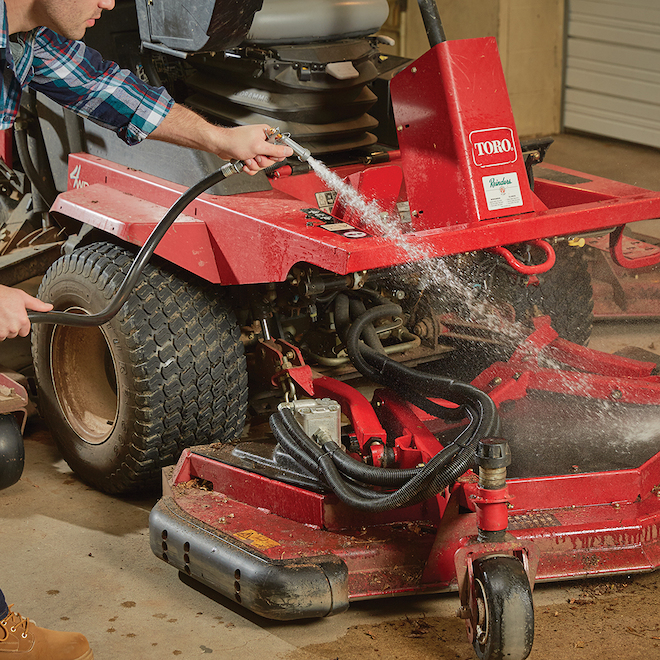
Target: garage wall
{"x": 613, "y": 69}
{"x": 530, "y": 37}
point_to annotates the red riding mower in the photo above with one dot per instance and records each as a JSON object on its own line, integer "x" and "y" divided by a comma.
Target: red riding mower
{"x": 451, "y": 283}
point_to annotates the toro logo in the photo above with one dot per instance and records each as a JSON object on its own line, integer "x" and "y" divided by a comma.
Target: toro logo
{"x": 493, "y": 146}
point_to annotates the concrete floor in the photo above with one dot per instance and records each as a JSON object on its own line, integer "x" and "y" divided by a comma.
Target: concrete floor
{"x": 75, "y": 559}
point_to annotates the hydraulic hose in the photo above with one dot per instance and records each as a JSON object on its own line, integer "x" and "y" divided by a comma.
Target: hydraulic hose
{"x": 287, "y": 430}
{"x": 345, "y": 309}
{"x": 387, "y": 372}
{"x": 355, "y": 333}
{"x": 141, "y": 259}
{"x": 352, "y": 481}
{"x": 329, "y": 462}
{"x": 357, "y": 309}
{"x": 376, "y": 476}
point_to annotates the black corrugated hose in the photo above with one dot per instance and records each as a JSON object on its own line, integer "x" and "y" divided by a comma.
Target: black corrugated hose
{"x": 353, "y": 481}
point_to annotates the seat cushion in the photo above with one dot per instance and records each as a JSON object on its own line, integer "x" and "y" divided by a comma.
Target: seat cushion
{"x": 302, "y": 21}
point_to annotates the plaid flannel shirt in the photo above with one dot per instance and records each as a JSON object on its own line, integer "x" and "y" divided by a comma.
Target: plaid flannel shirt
{"x": 78, "y": 78}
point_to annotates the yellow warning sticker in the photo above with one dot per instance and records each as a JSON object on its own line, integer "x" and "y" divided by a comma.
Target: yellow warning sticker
{"x": 256, "y": 540}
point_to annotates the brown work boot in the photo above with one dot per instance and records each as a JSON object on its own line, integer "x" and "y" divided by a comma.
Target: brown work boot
{"x": 20, "y": 639}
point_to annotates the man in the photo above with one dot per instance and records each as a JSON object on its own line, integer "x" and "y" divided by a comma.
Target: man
{"x": 39, "y": 48}
{"x": 67, "y": 71}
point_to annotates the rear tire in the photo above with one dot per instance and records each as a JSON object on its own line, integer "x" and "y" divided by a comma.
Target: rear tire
{"x": 167, "y": 372}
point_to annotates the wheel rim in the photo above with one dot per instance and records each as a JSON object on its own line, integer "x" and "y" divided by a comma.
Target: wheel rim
{"x": 83, "y": 372}
{"x": 482, "y": 609}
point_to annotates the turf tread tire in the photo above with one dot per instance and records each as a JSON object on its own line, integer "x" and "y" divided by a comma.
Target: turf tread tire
{"x": 178, "y": 340}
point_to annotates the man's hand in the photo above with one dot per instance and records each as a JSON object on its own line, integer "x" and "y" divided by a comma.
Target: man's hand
{"x": 249, "y": 145}
{"x": 14, "y": 304}
{"x": 245, "y": 143}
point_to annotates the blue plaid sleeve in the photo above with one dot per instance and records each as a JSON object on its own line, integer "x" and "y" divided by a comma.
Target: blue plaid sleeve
{"x": 77, "y": 77}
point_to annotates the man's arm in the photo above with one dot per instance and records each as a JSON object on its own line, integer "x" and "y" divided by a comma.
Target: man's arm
{"x": 14, "y": 304}
{"x": 77, "y": 77}
{"x": 245, "y": 143}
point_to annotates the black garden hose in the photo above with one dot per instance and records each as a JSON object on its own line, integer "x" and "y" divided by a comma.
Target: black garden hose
{"x": 141, "y": 259}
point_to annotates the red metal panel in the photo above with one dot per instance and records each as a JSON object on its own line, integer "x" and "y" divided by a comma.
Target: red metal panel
{"x": 460, "y": 149}
{"x": 132, "y": 219}
{"x": 276, "y": 232}
{"x": 596, "y": 541}
{"x": 381, "y": 184}
{"x": 323, "y": 511}
{"x": 578, "y": 490}
{"x": 257, "y": 491}
{"x": 619, "y": 257}
{"x": 594, "y": 386}
{"x": 560, "y": 186}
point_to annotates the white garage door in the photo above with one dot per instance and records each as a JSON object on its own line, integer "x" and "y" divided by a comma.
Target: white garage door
{"x": 613, "y": 69}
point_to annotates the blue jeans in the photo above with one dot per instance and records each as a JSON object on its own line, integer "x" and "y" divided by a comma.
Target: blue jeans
{"x": 4, "y": 610}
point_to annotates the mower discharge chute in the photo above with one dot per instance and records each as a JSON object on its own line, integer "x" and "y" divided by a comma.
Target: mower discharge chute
{"x": 453, "y": 284}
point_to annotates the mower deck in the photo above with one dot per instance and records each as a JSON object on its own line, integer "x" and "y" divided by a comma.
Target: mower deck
{"x": 582, "y": 525}
{"x": 583, "y": 499}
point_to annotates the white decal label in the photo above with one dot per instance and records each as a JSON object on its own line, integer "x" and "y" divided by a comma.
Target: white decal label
{"x": 75, "y": 177}
{"x": 326, "y": 200}
{"x": 493, "y": 146}
{"x": 502, "y": 191}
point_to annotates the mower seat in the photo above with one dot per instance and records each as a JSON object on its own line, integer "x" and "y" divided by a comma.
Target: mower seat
{"x": 302, "y": 21}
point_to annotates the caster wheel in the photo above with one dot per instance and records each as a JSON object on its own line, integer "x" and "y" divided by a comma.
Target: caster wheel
{"x": 505, "y": 626}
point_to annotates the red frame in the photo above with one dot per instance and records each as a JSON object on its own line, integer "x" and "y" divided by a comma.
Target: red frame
{"x": 209, "y": 238}
{"x": 439, "y": 110}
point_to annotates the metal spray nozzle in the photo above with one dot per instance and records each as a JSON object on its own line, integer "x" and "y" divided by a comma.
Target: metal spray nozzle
{"x": 273, "y": 135}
